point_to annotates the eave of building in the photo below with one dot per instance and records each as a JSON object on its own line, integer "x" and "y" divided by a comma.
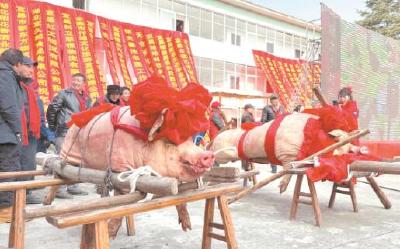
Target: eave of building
{"x": 272, "y": 14}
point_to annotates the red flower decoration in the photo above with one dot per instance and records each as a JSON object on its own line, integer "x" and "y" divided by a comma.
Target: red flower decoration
{"x": 186, "y": 108}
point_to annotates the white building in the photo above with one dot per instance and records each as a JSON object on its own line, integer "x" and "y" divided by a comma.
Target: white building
{"x": 222, "y": 35}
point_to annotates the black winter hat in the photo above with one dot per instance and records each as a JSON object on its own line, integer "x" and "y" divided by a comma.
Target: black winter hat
{"x": 113, "y": 89}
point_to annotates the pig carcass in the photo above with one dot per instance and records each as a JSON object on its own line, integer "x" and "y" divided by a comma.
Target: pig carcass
{"x": 289, "y": 138}
{"x": 99, "y": 145}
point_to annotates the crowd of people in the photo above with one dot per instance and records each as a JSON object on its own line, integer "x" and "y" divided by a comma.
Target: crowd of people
{"x": 26, "y": 129}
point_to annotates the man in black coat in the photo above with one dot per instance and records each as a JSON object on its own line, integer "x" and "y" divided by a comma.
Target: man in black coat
{"x": 269, "y": 113}
{"x": 59, "y": 112}
{"x": 10, "y": 122}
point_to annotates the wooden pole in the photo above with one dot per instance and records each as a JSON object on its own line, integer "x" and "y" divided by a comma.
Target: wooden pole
{"x": 106, "y": 202}
{"x": 381, "y": 195}
{"x": 258, "y": 185}
{"x": 18, "y": 174}
{"x": 392, "y": 168}
{"x": 146, "y": 183}
{"x": 320, "y": 96}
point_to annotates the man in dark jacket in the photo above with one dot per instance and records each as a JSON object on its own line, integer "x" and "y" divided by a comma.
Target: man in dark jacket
{"x": 30, "y": 125}
{"x": 10, "y": 122}
{"x": 270, "y": 112}
{"x": 217, "y": 119}
{"x": 59, "y": 112}
{"x": 112, "y": 96}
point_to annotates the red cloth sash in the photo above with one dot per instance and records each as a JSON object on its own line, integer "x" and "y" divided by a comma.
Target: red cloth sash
{"x": 34, "y": 115}
{"x": 240, "y": 147}
{"x": 131, "y": 129}
{"x": 269, "y": 142}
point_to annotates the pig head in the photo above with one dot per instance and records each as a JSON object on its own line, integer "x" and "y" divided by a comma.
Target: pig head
{"x": 98, "y": 145}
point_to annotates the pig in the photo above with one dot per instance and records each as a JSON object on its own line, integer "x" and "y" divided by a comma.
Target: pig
{"x": 288, "y": 142}
{"x": 90, "y": 146}
{"x": 98, "y": 145}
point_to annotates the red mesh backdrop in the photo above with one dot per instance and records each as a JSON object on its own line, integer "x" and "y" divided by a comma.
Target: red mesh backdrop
{"x": 369, "y": 62}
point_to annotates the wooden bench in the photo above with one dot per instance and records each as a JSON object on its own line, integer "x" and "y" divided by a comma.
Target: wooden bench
{"x": 298, "y": 194}
{"x": 20, "y": 213}
{"x": 95, "y": 231}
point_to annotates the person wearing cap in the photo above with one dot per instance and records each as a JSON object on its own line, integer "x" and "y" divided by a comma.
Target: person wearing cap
{"x": 217, "y": 121}
{"x": 247, "y": 116}
{"x": 10, "y": 122}
{"x": 269, "y": 113}
{"x": 31, "y": 122}
{"x": 112, "y": 96}
{"x": 59, "y": 112}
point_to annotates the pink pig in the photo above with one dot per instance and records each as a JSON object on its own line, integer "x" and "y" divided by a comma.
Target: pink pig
{"x": 91, "y": 145}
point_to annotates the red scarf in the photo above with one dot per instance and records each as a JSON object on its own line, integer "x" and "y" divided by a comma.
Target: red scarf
{"x": 82, "y": 100}
{"x": 34, "y": 115}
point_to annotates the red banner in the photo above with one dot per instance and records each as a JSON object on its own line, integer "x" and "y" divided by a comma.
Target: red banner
{"x": 136, "y": 52}
{"x": 62, "y": 41}
{"x": 291, "y": 80}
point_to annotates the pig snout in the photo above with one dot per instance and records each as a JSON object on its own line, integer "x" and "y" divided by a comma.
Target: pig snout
{"x": 206, "y": 159}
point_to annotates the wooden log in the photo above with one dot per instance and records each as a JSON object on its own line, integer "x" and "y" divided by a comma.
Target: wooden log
{"x": 228, "y": 172}
{"x": 392, "y": 168}
{"x": 78, "y": 206}
{"x": 120, "y": 211}
{"x": 250, "y": 173}
{"x": 318, "y": 93}
{"x": 146, "y": 183}
{"x": 220, "y": 179}
{"x": 18, "y": 174}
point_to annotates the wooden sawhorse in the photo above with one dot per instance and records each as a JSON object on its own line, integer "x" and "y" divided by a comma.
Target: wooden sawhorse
{"x": 95, "y": 226}
{"x": 300, "y": 172}
{"x": 297, "y": 194}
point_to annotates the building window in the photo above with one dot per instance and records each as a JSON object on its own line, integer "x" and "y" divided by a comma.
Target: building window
{"x": 235, "y": 39}
{"x": 218, "y": 27}
{"x": 270, "y": 47}
{"x": 298, "y": 53}
{"x": 180, "y": 25}
{"x": 78, "y": 4}
{"x": 206, "y": 24}
{"x": 194, "y": 20}
{"x": 218, "y": 73}
{"x": 234, "y": 81}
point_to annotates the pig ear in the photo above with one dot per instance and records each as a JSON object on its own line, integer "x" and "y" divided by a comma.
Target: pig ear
{"x": 157, "y": 125}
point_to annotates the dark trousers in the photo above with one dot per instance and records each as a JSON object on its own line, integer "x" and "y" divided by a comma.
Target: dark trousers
{"x": 28, "y": 157}
{"x": 9, "y": 161}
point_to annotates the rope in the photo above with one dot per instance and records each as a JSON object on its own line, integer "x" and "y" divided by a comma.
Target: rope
{"x": 133, "y": 175}
{"x": 223, "y": 149}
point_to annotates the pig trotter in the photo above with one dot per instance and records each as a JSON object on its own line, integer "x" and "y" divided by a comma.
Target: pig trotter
{"x": 284, "y": 183}
{"x": 184, "y": 217}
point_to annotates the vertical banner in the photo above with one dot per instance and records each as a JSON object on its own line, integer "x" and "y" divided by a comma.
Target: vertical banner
{"x": 292, "y": 80}
{"x": 145, "y": 51}
{"x": 6, "y": 25}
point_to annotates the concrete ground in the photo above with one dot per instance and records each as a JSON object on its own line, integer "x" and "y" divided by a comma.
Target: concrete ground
{"x": 260, "y": 221}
